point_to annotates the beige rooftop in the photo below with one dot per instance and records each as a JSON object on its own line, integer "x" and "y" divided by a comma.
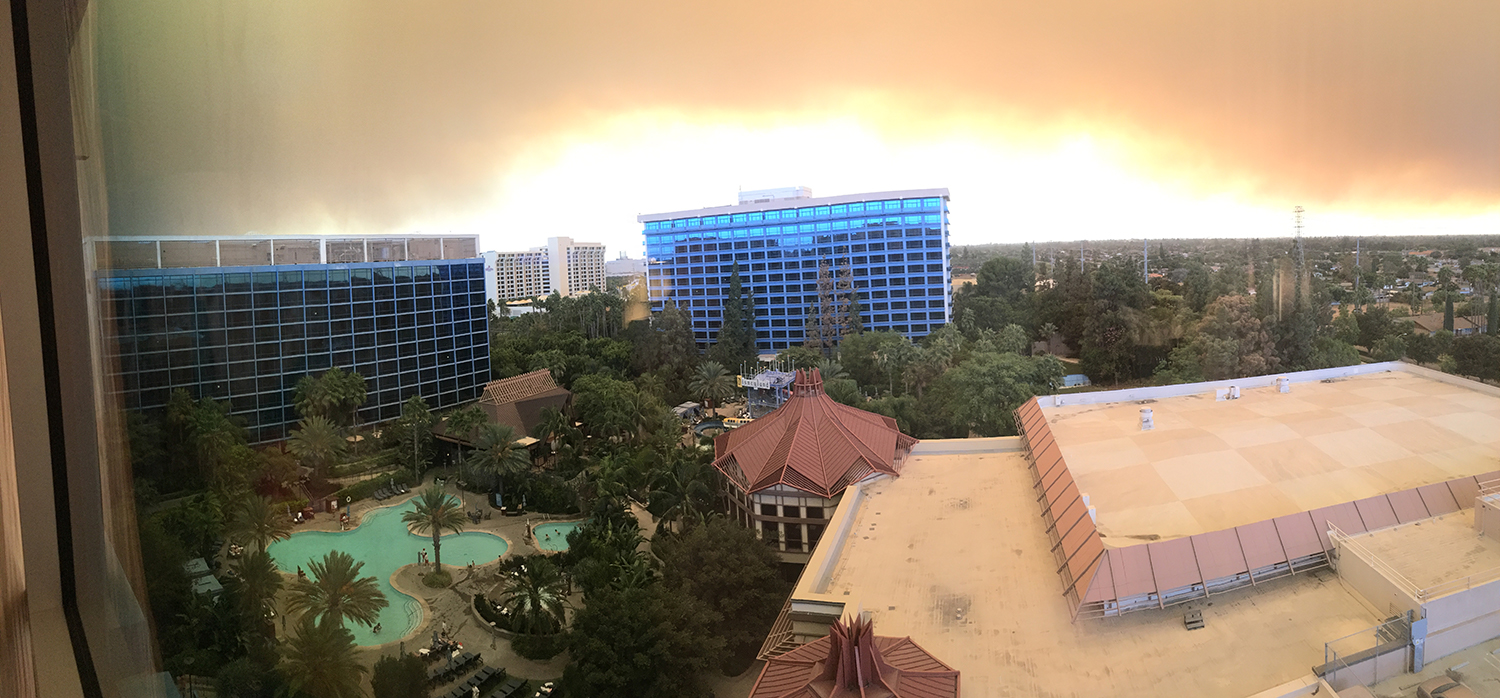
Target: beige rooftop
{"x": 954, "y": 555}
{"x": 1209, "y": 465}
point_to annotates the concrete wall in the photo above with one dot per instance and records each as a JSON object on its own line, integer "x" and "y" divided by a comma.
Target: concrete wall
{"x": 1487, "y": 517}
{"x": 1463, "y": 619}
{"x": 1380, "y": 592}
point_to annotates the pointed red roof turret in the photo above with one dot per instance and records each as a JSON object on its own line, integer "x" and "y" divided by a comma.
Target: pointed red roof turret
{"x": 811, "y": 443}
{"x": 851, "y": 662}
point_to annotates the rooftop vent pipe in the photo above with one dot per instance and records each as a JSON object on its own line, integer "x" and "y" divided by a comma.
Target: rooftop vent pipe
{"x": 1284, "y": 384}
{"x": 1147, "y": 424}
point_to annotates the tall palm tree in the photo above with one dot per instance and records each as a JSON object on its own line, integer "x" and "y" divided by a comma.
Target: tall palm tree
{"x": 711, "y": 383}
{"x": 319, "y": 660}
{"x": 256, "y": 581}
{"x": 535, "y": 597}
{"x": 551, "y": 424}
{"x": 497, "y": 454}
{"x": 334, "y": 591}
{"x": 436, "y": 512}
{"x": 682, "y": 492}
{"x": 258, "y": 524}
{"x": 318, "y": 443}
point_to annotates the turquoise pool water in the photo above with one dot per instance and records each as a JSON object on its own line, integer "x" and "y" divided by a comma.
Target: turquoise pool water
{"x": 554, "y": 536}
{"x": 382, "y": 542}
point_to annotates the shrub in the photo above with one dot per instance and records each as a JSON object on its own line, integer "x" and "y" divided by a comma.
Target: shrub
{"x": 539, "y": 647}
{"x": 365, "y": 489}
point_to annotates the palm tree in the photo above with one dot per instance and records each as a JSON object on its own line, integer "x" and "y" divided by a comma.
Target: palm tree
{"x": 258, "y": 524}
{"x": 535, "y": 598}
{"x": 497, "y": 454}
{"x": 681, "y": 492}
{"x": 435, "y": 512}
{"x": 552, "y": 424}
{"x": 711, "y": 383}
{"x": 334, "y": 591}
{"x": 336, "y": 395}
{"x": 318, "y": 443}
{"x": 463, "y": 422}
{"x": 831, "y": 370}
{"x": 256, "y": 582}
{"x": 320, "y": 661}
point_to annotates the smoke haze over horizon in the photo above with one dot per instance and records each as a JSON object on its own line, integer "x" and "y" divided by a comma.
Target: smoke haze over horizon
{"x": 1048, "y": 121}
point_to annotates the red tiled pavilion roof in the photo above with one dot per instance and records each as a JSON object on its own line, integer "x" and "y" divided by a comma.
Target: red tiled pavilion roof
{"x": 811, "y": 443}
{"x": 852, "y": 662}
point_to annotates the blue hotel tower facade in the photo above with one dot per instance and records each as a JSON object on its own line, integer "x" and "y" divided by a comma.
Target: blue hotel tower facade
{"x": 892, "y": 245}
{"x": 242, "y": 321}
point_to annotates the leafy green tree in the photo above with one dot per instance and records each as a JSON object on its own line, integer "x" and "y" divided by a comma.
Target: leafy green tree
{"x": 1390, "y": 348}
{"x": 535, "y": 597}
{"x": 497, "y": 455}
{"x": 876, "y": 358}
{"x": 665, "y": 344}
{"x": 1421, "y": 347}
{"x": 1109, "y": 343}
{"x": 641, "y": 641}
{"x": 1376, "y": 324}
{"x": 711, "y": 384}
{"x": 336, "y": 395}
{"x": 434, "y": 513}
{"x": 258, "y": 524}
{"x": 1001, "y": 295}
{"x": 318, "y": 443}
{"x": 247, "y": 678}
{"x": 1329, "y": 352}
{"x": 736, "y": 575}
{"x": 606, "y": 407}
{"x": 1243, "y": 345}
{"x": 333, "y": 592}
{"x": 320, "y": 660}
{"x": 1199, "y": 289}
{"x": 736, "y": 340}
{"x": 399, "y": 677}
{"x": 1478, "y": 356}
{"x": 988, "y": 388}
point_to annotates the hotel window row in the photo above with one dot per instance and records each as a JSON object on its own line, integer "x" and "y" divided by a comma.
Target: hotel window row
{"x": 898, "y": 264}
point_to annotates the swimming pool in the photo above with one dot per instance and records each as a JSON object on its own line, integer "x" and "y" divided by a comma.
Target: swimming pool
{"x": 383, "y": 543}
{"x": 554, "y": 536}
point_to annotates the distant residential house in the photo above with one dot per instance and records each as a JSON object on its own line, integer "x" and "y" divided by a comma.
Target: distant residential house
{"x": 1432, "y": 322}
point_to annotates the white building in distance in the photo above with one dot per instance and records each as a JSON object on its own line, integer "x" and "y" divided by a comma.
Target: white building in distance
{"x": 564, "y": 266}
{"x": 625, "y": 266}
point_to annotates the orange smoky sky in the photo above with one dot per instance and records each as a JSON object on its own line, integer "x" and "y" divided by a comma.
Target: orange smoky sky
{"x": 1047, "y": 120}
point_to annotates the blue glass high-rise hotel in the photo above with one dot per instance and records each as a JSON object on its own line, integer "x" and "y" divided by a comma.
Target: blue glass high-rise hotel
{"x": 894, "y": 246}
{"x": 243, "y": 319}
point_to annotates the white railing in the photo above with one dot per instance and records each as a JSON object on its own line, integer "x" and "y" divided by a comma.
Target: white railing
{"x": 1418, "y": 593}
{"x": 1342, "y": 540}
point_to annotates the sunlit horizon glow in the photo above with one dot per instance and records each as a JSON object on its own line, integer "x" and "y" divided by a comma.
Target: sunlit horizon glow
{"x": 1047, "y": 121}
{"x": 1062, "y": 187}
